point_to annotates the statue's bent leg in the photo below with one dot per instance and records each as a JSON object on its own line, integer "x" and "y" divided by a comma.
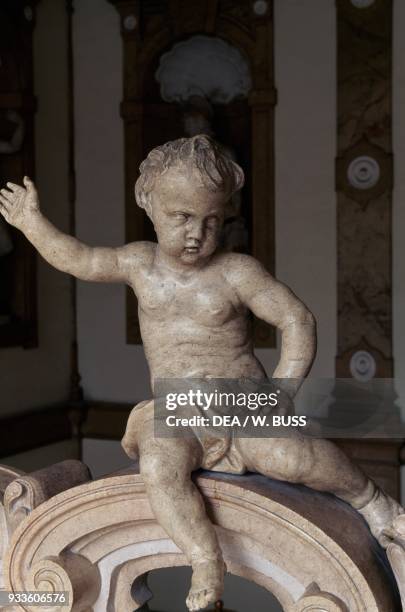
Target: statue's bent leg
{"x": 166, "y": 465}
{"x": 321, "y": 465}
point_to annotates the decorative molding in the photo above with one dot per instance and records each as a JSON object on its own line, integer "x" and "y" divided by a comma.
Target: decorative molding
{"x": 363, "y": 366}
{"x": 27, "y": 492}
{"x": 105, "y": 530}
{"x": 260, "y": 7}
{"x": 315, "y": 600}
{"x": 384, "y": 367}
{"x": 196, "y": 55}
{"x": 364, "y": 187}
{"x": 7, "y": 475}
{"x": 130, "y": 22}
{"x": 363, "y": 172}
{"x": 364, "y": 182}
{"x": 396, "y": 554}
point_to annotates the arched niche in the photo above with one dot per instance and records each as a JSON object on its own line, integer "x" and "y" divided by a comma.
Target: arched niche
{"x": 247, "y": 125}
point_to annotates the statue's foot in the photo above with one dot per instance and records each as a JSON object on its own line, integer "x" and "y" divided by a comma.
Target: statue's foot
{"x": 207, "y": 584}
{"x": 380, "y": 513}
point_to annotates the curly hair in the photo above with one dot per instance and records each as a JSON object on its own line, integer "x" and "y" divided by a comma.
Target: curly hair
{"x": 217, "y": 171}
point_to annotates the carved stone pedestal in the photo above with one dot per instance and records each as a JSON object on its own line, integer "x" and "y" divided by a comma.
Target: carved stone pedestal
{"x": 99, "y": 539}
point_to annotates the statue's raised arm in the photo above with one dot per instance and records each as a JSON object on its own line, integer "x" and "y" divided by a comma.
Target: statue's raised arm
{"x": 20, "y": 207}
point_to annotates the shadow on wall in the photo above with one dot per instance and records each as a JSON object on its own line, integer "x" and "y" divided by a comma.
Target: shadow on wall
{"x": 170, "y": 586}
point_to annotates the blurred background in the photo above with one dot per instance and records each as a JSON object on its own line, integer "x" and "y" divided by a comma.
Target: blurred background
{"x": 307, "y": 95}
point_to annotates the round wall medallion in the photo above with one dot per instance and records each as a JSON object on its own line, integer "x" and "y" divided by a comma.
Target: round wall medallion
{"x": 130, "y": 23}
{"x": 362, "y": 3}
{"x": 363, "y": 366}
{"x": 260, "y": 7}
{"x": 363, "y": 172}
{"x": 28, "y": 14}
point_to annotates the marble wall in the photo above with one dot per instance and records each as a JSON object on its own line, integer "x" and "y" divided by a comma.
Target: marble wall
{"x": 364, "y": 183}
{"x": 398, "y": 211}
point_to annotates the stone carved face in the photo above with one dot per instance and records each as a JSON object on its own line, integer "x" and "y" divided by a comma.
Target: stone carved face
{"x": 187, "y": 217}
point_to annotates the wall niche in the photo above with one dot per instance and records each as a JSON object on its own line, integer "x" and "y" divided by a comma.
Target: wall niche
{"x": 202, "y": 67}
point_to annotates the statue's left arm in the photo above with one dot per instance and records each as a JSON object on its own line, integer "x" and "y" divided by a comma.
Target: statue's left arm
{"x": 276, "y": 304}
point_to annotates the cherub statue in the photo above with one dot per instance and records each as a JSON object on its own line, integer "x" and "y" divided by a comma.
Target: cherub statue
{"x": 194, "y": 304}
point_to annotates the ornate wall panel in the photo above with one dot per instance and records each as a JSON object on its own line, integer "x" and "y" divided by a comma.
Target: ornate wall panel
{"x": 364, "y": 185}
{"x": 364, "y": 181}
{"x": 151, "y": 28}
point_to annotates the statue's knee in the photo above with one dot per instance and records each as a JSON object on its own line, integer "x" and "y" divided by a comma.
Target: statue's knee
{"x": 137, "y": 415}
{"x": 136, "y": 428}
{"x": 130, "y": 447}
{"x": 153, "y": 468}
{"x": 158, "y": 469}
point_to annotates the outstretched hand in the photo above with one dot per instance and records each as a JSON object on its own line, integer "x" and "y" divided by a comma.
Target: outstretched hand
{"x": 18, "y": 204}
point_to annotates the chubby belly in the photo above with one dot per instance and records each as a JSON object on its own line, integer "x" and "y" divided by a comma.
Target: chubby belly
{"x": 189, "y": 365}
{"x": 186, "y": 349}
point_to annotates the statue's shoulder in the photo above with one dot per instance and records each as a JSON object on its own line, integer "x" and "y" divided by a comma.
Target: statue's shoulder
{"x": 244, "y": 274}
{"x": 137, "y": 254}
{"x": 238, "y": 265}
{"x": 145, "y": 248}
